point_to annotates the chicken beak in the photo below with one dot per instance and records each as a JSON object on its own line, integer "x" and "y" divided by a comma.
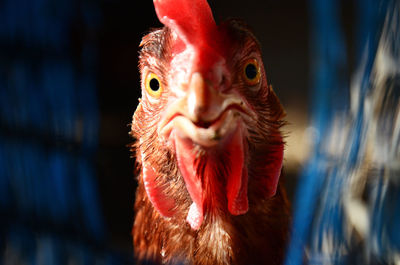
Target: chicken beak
{"x": 204, "y": 102}
{"x": 203, "y": 113}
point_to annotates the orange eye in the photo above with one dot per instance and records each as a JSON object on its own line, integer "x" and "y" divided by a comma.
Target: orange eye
{"x": 153, "y": 85}
{"x": 251, "y": 72}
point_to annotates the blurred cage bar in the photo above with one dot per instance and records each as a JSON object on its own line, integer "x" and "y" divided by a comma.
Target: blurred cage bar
{"x": 347, "y": 207}
{"x": 49, "y": 202}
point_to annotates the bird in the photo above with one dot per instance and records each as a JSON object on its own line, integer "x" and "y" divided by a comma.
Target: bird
{"x": 208, "y": 143}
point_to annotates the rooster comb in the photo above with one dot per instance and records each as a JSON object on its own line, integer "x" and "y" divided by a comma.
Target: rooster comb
{"x": 194, "y": 26}
{"x": 192, "y": 20}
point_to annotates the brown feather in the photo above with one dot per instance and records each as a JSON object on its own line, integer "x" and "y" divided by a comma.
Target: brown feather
{"x": 257, "y": 237}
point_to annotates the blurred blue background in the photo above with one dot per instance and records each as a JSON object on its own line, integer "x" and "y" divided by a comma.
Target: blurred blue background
{"x": 69, "y": 85}
{"x": 347, "y": 204}
{"x": 55, "y": 87}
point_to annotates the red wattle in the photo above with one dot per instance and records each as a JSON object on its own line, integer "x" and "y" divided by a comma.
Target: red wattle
{"x": 161, "y": 202}
{"x": 237, "y": 180}
{"x": 187, "y": 165}
{"x": 273, "y": 169}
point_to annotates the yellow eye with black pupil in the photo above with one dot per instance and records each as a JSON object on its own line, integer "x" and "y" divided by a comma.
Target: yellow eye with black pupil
{"x": 251, "y": 72}
{"x": 153, "y": 85}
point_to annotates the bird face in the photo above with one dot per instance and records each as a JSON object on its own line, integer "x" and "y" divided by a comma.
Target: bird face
{"x": 201, "y": 109}
{"x": 206, "y": 105}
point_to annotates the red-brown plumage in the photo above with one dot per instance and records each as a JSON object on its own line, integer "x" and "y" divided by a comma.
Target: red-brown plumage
{"x": 209, "y": 147}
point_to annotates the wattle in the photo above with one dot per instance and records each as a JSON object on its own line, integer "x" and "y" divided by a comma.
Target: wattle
{"x": 236, "y": 181}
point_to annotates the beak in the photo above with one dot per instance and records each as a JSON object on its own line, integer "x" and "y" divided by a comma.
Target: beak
{"x": 204, "y": 102}
{"x": 203, "y": 113}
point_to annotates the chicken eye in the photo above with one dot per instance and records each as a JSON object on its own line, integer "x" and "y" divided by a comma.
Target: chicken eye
{"x": 251, "y": 72}
{"x": 153, "y": 85}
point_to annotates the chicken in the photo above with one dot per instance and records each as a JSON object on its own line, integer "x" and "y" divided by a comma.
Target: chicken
{"x": 208, "y": 144}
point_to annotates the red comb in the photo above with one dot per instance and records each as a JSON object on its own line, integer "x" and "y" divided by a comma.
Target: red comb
{"x": 194, "y": 25}
{"x": 192, "y": 20}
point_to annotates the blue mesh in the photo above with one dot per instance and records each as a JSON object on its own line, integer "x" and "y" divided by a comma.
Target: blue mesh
{"x": 347, "y": 203}
{"x": 49, "y": 122}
